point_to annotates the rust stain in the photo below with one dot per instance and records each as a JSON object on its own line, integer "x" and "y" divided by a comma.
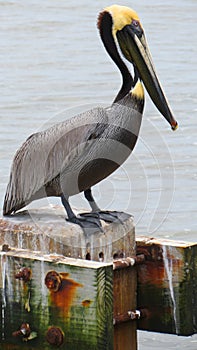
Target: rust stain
{"x": 86, "y": 303}
{"x": 153, "y": 271}
{"x": 62, "y": 290}
{"x": 24, "y": 274}
{"x": 152, "y": 252}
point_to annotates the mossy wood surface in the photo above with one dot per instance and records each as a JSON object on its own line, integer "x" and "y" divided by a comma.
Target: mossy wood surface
{"x": 167, "y": 286}
{"x": 82, "y": 307}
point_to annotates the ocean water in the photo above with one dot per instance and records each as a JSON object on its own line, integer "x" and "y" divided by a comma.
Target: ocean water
{"x": 53, "y": 65}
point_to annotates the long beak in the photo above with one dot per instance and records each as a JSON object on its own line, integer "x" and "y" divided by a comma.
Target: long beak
{"x": 135, "y": 49}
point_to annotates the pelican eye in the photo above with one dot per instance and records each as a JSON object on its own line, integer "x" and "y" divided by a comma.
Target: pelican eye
{"x": 136, "y": 27}
{"x": 135, "y": 22}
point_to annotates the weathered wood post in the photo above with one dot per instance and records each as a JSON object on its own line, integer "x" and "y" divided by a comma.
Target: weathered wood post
{"x": 54, "y": 294}
{"x": 167, "y": 286}
{"x": 124, "y": 307}
{"x": 60, "y": 288}
{"x": 55, "y": 301}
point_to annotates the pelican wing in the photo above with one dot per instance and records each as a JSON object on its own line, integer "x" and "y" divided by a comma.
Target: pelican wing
{"x": 43, "y": 155}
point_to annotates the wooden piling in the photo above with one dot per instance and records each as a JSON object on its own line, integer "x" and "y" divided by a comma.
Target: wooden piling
{"x": 46, "y": 230}
{"x": 68, "y": 302}
{"x": 166, "y": 286}
{"x": 65, "y": 302}
{"x": 53, "y": 294}
{"x": 125, "y": 329}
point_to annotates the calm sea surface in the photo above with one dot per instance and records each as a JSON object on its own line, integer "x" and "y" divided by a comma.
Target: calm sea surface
{"x": 53, "y": 65}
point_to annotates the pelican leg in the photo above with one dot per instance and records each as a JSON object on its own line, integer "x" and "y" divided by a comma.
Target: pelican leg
{"x": 88, "y": 224}
{"x": 91, "y": 201}
{"x": 106, "y": 215}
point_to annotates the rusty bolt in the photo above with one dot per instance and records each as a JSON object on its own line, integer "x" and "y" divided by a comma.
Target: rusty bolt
{"x": 134, "y": 315}
{"x": 24, "y": 331}
{"x": 24, "y": 274}
{"x": 53, "y": 281}
{"x": 55, "y": 336}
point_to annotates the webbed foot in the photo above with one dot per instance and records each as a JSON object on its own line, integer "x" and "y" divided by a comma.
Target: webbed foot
{"x": 88, "y": 224}
{"x": 108, "y": 216}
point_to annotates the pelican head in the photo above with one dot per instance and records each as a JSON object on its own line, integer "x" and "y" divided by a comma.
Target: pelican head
{"x": 129, "y": 39}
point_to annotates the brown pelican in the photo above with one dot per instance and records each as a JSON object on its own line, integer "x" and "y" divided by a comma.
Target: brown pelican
{"x": 74, "y": 155}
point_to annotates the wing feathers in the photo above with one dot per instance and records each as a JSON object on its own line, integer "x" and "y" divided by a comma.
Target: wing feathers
{"x": 43, "y": 155}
